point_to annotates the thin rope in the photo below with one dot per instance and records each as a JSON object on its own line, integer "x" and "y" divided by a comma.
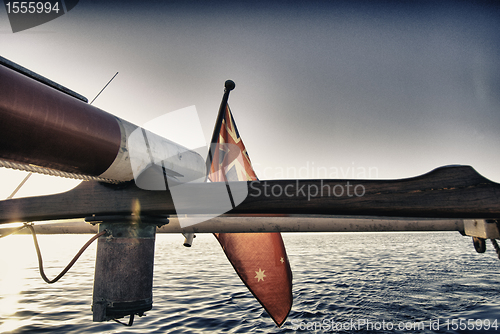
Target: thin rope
{"x": 130, "y": 321}
{"x": 53, "y": 172}
{"x": 495, "y": 245}
{"x": 15, "y": 231}
{"x": 68, "y": 267}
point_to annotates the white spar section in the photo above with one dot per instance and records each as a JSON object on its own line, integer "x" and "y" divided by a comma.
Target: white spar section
{"x": 141, "y": 148}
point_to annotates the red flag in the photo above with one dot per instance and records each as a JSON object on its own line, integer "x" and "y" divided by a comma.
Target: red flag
{"x": 258, "y": 258}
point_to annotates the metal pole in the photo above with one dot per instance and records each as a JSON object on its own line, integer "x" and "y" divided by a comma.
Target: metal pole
{"x": 228, "y": 87}
{"x": 279, "y": 224}
{"x": 233, "y": 224}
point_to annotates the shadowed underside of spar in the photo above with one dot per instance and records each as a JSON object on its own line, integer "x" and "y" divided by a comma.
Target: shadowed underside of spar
{"x": 447, "y": 192}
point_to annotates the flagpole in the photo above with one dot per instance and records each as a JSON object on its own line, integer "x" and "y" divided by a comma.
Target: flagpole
{"x": 228, "y": 87}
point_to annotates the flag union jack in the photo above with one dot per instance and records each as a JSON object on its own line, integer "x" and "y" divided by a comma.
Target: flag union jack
{"x": 230, "y": 157}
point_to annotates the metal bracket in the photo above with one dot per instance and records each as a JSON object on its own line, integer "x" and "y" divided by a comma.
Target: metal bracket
{"x": 480, "y": 228}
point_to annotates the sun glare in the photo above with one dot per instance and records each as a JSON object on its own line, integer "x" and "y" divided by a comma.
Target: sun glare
{"x": 14, "y": 277}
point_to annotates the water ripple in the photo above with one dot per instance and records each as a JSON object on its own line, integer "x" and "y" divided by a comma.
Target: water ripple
{"x": 402, "y": 278}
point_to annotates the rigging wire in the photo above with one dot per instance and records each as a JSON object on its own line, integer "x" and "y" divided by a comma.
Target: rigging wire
{"x": 20, "y": 185}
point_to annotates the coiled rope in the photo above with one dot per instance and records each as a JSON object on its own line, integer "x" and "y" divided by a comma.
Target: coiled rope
{"x": 53, "y": 172}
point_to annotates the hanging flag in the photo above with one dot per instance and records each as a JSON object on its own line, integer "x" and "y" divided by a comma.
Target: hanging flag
{"x": 258, "y": 258}
{"x": 227, "y": 164}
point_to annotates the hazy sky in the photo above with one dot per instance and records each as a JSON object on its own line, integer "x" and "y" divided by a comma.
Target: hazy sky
{"x": 380, "y": 89}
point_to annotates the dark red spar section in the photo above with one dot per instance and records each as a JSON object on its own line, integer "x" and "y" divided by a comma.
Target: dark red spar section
{"x": 46, "y": 127}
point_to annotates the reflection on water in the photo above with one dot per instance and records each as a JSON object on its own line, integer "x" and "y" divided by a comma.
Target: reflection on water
{"x": 338, "y": 277}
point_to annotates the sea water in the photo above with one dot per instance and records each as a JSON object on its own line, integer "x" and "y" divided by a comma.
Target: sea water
{"x": 342, "y": 283}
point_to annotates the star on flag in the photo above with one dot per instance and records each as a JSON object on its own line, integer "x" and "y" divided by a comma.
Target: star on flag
{"x": 260, "y": 275}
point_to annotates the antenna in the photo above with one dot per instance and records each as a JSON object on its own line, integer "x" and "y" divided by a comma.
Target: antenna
{"x": 104, "y": 87}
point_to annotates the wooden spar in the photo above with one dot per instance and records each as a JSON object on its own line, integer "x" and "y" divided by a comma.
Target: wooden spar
{"x": 447, "y": 192}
